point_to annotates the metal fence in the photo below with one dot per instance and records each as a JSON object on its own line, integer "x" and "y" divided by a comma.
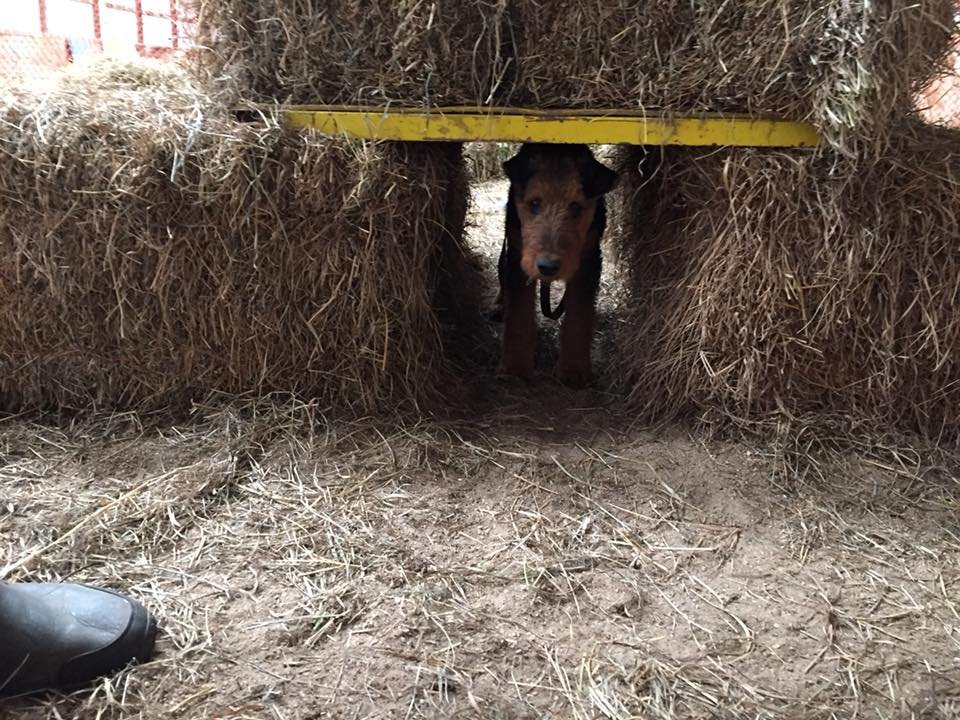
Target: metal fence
{"x": 38, "y": 37}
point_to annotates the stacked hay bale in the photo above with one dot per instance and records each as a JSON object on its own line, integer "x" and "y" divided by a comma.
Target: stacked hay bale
{"x": 848, "y": 67}
{"x": 153, "y": 249}
{"x": 380, "y": 52}
{"x": 786, "y": 285}
{"x": 763, "y": 282}
{"x": 780, "y": 285}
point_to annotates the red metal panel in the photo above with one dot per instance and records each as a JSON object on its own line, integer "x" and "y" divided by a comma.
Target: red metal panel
{"x": 97, "y": 29}
{"x": 84, "y": 27}
{"x": 174, "y": 25}
{"x": 43, "y": 15}
{"x": 138, "y": 9}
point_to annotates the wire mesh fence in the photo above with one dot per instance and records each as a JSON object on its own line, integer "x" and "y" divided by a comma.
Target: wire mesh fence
{"x": 40, "y": 37}
{"x": 32, "y": 57}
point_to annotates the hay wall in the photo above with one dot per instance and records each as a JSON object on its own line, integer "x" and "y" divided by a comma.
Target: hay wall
{"x": 788, "y": 284}
{"x": 347, "y": 51}
{"x": 151, "y": 249}
{"x": 849, "y": 67}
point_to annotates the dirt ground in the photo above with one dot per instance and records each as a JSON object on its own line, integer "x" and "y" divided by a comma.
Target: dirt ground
{"x": 545, "y": 558}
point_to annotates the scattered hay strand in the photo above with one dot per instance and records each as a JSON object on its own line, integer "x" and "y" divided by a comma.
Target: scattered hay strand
{"x": 487, "y": 569}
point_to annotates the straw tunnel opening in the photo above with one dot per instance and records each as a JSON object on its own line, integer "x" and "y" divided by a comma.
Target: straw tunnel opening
{"x": 484, "y": 236}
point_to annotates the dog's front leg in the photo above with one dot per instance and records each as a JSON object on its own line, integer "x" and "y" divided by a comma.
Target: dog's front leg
{"x": 576, "y": 329}
{"x": 520, "y": 324}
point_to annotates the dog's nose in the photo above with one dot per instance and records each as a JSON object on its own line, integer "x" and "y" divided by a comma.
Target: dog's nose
{"x": 548, "y": 266}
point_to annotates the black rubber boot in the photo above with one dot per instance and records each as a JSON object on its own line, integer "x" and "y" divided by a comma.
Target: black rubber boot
{"x": 61, "y": 636}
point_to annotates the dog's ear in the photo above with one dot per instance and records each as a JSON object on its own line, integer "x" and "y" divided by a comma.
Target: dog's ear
{"x": 597, "y": 178}
{"x": 518, "y": 169}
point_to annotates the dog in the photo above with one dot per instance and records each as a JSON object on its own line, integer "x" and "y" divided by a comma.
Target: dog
{"x": 556, "y": 217}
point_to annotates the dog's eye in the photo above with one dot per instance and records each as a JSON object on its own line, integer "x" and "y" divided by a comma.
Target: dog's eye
{"x": 576, "y": 209}
{"x": 535, "y": 207}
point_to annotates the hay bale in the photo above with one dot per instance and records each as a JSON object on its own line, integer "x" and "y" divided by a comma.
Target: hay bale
{"x": 344, "y": 51}
{"x": 780, "y": 283}
{"x": 104, "y": 72}
{"x": 152, "y": 249}
{"x": 787, "y": 284}
{"x": 849, "y": 67}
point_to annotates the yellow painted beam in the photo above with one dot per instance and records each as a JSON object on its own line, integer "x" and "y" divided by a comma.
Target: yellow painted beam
{"x": 560, "y": 126}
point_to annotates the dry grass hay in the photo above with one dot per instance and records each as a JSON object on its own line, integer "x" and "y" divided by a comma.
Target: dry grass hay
{"x": 790, "y": 284}
{"x": 347, "y": 51}
{"x": 848, "y": 67}
{"x": 103, "y": 71}
{"x": 152, "y": 248}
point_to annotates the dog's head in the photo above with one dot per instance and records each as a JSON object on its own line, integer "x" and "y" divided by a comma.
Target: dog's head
{"x": 555, "y": 189}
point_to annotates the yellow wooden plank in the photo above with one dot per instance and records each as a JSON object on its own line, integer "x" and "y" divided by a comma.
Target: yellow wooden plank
{"x": 512, "y": 125}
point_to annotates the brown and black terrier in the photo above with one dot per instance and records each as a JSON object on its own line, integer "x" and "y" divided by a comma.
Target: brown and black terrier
{"x": 556, "y": 216}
